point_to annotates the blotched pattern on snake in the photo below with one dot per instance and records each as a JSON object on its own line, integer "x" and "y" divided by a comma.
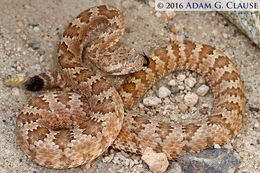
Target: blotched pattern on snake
{"x": 71, "y": 128}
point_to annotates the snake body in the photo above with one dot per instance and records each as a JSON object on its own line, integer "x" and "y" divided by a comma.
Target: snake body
{"x": 70, "y": 128}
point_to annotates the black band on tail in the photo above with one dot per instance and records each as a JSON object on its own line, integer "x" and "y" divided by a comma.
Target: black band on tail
{"x": 35, "y": 84}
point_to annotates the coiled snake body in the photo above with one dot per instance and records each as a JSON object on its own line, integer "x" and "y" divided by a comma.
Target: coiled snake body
{"x": 71, "y": 128}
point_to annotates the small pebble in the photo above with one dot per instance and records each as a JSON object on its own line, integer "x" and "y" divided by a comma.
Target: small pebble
{"x": 172, "y": 82}
{"x": 163, "y": 92}
{"x": 181, "y": 87}
{"x": 151, "y": 101}
{"x": 182, "y": 107}
{"x": 41, "y": 52}
{"x": 157, "y": 162}
{"x": 158, "y": 14}
{"x": 181, "y": 77}
{"x": 191, "y": 99}
{"x": 5, "y": 122}
{"x": 202, "y": 90}
{"x": 174, "y": 89}
{"x": 35, "y": 45}
{"x": 16, "y": 92}
{"x": 190, "y": 82}
{"x": 36, "y": 29}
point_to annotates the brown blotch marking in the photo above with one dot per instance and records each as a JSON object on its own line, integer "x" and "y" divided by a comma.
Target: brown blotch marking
{"x": 63, "y": 47}
{"x": 98, "y": 21}
{"x": 152, "y": 66}
{"x": 129, "y": 88}
{"x": 64, "y": 99}
{"x": 68, "y": 60}
{"x": 71, "y": 31}
{"x": 164, "y": 130}
{"x": 22, "y": 117}
{"x": 205, "y": 51}
{"x": 37, "y": 134}
{"x": 232, "y": 92}
{"x": 158, "y": 148}
{"x": 38, "y": 102}
{"x": 33, "y": 117}
{"x": 100, "y": 86}
{"x": 227, "y": 76}
{"x": 85, "y": 105}
{"x": 221, "y": 61}
{"x": 189, "y": 47}
{"x": 106, "y": 106}
{"x": 62, "y": 139}
{"x": 230, "y": 106}
{"x": 83, "y": 75}
{"x": 108, "y": 13}
{"x": 162, "y": 53}
{"x": 185, "y": 148}
{"x": 209, "y": 141}
{"x": 139, "y": 123}
{"x": 84, "y": 16}
{"x": 176, "y": 52}
{"x": 190, "y": 129}
{"x": 141, "y": 75}
{"x": 220, "y": 120}
{"x": 91, "y": 127}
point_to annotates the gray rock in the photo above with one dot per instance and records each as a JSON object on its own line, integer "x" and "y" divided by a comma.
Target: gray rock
{"x": 209, "y": 161}
{"x": 247, "y": 22}
{"x": 35, "y": 45}
{"x": 174, "y": 89}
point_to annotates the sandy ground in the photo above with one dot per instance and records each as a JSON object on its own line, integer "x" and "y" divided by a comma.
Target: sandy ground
{"x": 39, "y": 24}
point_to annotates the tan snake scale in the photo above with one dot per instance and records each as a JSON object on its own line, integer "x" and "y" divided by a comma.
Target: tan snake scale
{"x": 71, "y": 128}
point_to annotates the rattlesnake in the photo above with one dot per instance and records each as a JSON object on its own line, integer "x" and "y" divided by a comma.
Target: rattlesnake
{"x": 66, "y": 129}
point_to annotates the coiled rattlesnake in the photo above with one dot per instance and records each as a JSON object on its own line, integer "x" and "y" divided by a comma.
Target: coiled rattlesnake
{"x": 67, "y": 129}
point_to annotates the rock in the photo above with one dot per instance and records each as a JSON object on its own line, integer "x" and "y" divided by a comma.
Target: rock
{"x": 151, "y": 101}
{"x": 202, "y": 90}
{"x": 41, "y": 52}
{"x": 247, "y": 22}
{"x": 182, "y": 107}
{"x": 172, "y": 82}
{"x": 174, "y": 89}
{"x": 190, "y": 82}
{"x": 157, "y": 162}
{"x": 191, "y": 99}
{"x": 207, "y": 161}
{"x": 163, "y": 92}
{"x": 35, "y": 45}
{"x": 181, "y": 77}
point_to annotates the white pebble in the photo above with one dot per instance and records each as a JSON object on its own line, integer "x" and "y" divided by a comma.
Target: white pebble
{"x": 16, "y": 92}
{"x": 190, "y": 82}
{"x": 151, "y": 101}
{"x": 172, "y": 82}
{"x": 202, "y": 90}
{"x": 181, "y": 77}
{"x": 36, "y": 29}
{"x": 157, "y": 162}
{"x": 163, "y": 92}
{"x": 158, "y": 14}
{"x": 191, "y": 99}
{"x": 181, "y": 87}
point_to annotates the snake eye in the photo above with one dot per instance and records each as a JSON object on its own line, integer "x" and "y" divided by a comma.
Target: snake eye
{"x": 147, "y": 59}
